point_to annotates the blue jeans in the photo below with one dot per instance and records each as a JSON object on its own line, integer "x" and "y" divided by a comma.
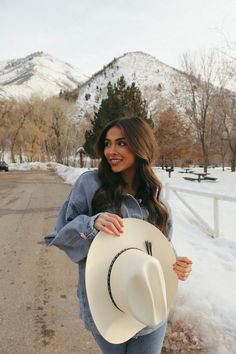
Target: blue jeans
{"x": 147, "y": 344}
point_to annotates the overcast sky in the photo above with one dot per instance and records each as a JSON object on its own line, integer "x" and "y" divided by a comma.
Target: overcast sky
{"x": 90, "y": 33}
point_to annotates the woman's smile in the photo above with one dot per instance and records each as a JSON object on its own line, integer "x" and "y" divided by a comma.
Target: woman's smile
{"x": 115, "y": 161}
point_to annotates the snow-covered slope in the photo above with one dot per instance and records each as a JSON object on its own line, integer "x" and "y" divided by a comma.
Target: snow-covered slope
{"x": 37, "y": 74}
{"x": 157, "y": 81}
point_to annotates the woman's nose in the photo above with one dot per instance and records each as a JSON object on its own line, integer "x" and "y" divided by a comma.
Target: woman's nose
{"x": 112, "y": 149}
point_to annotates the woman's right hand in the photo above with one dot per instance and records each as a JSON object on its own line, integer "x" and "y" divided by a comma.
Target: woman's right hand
{"x": 109, "y": 223}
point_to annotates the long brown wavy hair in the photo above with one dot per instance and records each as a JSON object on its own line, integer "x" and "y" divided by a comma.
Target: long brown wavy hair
{"x": 141, "y": 141}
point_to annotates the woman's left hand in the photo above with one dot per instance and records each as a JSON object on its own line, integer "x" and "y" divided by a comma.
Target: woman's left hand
{"x": 182, "y": 267}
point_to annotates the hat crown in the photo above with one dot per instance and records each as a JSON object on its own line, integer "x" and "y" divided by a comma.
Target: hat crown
{"x": 138, "y": 286}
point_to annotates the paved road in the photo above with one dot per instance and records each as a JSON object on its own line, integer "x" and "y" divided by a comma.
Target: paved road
{"x": 38, "y": 305}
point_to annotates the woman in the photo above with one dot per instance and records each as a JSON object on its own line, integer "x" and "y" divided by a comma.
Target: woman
{"x": 124, "y": 186}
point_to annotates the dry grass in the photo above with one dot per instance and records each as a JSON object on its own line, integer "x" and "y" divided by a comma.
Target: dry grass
{"x": 182, "y": 339}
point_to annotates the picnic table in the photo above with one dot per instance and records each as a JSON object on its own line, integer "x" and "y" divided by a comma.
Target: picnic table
{"x": 169, "y": 170}
{"x": 186, "y": 170}
{"x": 201, "y": 176}
{"x": 210, "y": 178}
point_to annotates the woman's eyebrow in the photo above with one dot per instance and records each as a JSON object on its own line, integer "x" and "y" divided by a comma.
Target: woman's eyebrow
{"x": 123, "y": 138}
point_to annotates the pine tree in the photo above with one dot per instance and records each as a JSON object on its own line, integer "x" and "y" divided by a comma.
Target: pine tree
{"x": 121, "y": 101}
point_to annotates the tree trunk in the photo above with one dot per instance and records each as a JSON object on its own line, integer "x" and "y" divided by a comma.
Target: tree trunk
{"x": 20, "y": 155}
{"x": 47, "y": 150}
{"x": 233, "y": 162}
{"x": 2, "y": 150}
{"x": 205, "y": 162}
{"x": 223, "y": 161}
{"x": 12, "y": 154}
{"x": 162, "y": 162}
{"x": 59, "y": 158}
{"x": 81, "y": 160}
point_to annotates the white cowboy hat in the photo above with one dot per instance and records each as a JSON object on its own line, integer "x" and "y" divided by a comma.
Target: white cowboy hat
{"x": 127, "y": 287}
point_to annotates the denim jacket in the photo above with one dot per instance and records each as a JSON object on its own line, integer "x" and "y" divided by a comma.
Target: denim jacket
{"x": 74, "y": 232}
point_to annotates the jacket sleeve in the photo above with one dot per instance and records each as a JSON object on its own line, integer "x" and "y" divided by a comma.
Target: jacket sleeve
{"x": 74, "y": 230}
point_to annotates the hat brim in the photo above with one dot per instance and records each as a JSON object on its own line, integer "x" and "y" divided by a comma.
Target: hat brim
{"x": 116, "y": 326}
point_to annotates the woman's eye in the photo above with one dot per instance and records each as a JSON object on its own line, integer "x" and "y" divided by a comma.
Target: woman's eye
{"x": 106, "y": 144}
{"x": 122, "y": 143}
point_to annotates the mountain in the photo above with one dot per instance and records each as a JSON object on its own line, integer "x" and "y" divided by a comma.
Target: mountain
{"x": 37, "y": 74}
{"x": 159, "y": 83}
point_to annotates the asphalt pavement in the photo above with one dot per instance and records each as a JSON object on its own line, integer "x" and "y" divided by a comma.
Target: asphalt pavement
{"x": 38, "y": 307}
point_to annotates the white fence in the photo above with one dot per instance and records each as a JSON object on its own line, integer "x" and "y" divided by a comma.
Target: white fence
{"x": 216, "y": 197}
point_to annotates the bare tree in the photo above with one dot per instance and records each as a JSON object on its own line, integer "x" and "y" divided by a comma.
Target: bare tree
{"x": 227, "y": 107}
{"x": 5, "y": 108}
{"x": 174, "y": 138}
{"x": 40, "y": 130}
{"x": 61, "y": 126}
{"x": 35, "y": 131}
{"x": 223, "y": 145}
{"x": 16, "y": 119}
{"x": 228, "y": 116}
{"x": 201, "y": 73}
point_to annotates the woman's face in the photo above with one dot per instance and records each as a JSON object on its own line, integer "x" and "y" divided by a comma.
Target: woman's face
{"x": 119, "y": 156}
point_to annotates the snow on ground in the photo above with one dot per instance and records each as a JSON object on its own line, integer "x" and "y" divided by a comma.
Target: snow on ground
{"x": 206, "y": 303}
{"x": 207, "y": 299}
{"x": 28, "y": 166}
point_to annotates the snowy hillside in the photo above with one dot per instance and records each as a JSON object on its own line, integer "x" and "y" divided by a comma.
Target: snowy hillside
{"x": 158, "y": 82}
{"x": 37, "y": 74}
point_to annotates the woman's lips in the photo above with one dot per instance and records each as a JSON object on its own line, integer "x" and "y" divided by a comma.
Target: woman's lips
{"x": 115, "y": 162}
